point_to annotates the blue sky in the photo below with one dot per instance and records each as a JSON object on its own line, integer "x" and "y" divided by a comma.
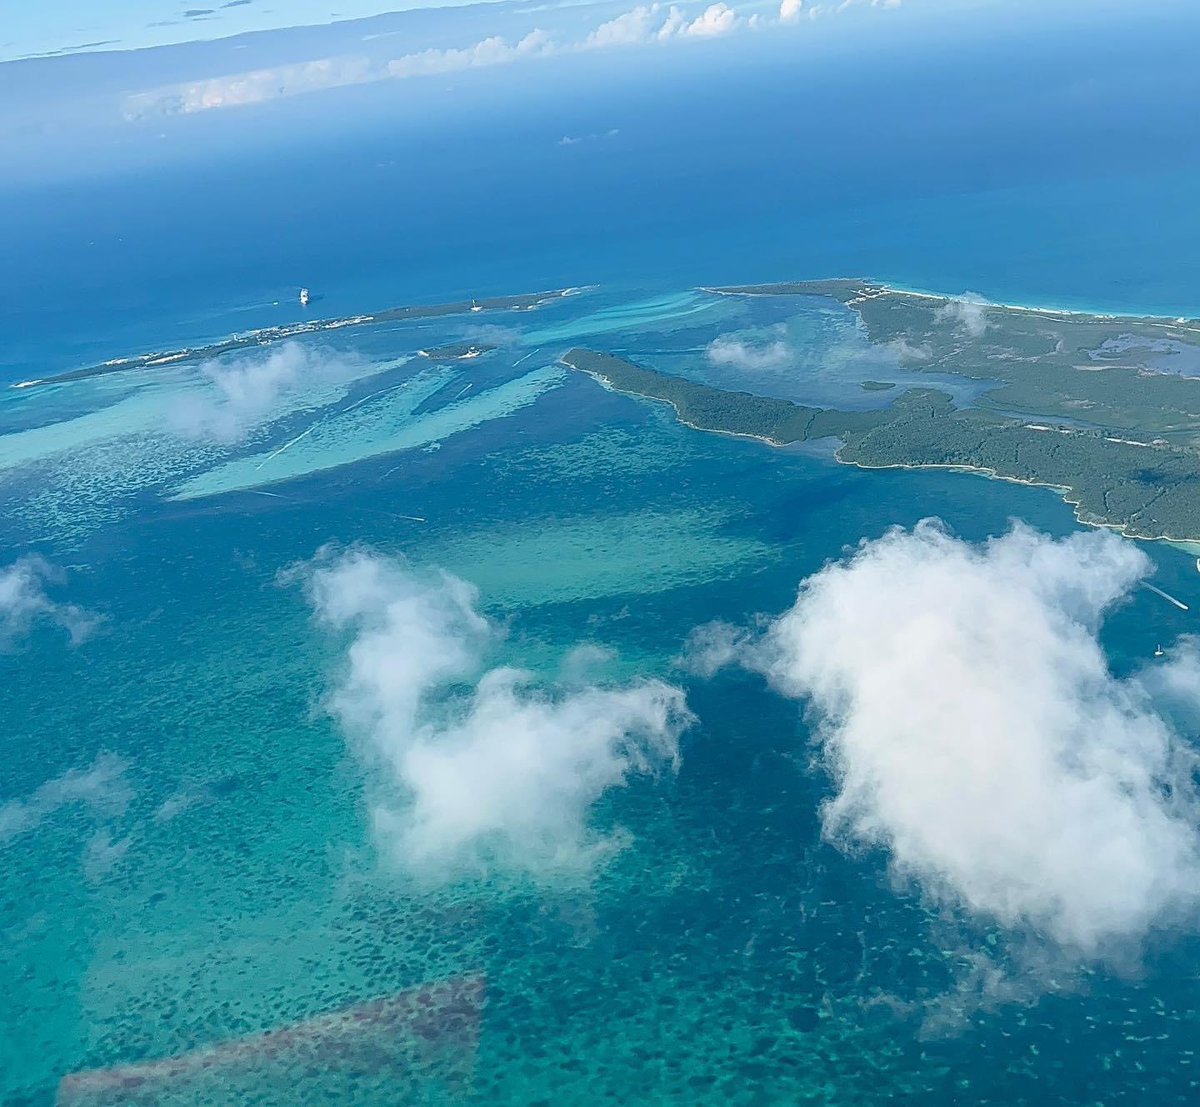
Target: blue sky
{"x": 100, "y": 89}
{"x": 67, "y": 26}
{"x": 30, "y": 29}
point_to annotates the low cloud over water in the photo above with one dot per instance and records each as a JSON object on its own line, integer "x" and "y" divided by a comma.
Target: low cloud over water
{"x": 965, "y": 711}
{"x": 481, "y": 768}
{"x": 26, "y": 601}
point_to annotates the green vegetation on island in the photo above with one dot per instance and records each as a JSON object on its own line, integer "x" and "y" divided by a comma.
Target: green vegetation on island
{"x": 1044, "y": 363}
{"x": 777, "y": 421}
{"x": 1144, "y": 479}
{"x": 1147, "y": 490}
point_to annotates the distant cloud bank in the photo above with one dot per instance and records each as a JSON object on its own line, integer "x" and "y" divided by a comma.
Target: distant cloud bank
{"x": 642, "y": 25}
{"x": 480, "y": 769}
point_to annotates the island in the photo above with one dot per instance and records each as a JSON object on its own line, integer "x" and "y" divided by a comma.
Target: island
{"x": 700, "y": 406}
{"x": 1076, "y": 402}
{"x": 1040, "y": 361}
{"x": 458, "y": 351}
{"x": 264, "y": 336}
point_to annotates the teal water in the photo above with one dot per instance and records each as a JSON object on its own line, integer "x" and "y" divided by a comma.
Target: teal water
{"x": 216, "y": 877}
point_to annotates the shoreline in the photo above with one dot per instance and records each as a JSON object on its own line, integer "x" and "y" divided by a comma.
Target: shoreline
{"x": 889, "y": 288}
{"x": 606, "y": 383}
{"x": 1187, "y": 545}
{"x": 263, "y": 337}
{"x": 1047, "y": 309}
{"x": 1190, "y": 545}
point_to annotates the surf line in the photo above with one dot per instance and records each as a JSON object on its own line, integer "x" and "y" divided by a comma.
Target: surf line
{"x": 1166, "y": 596}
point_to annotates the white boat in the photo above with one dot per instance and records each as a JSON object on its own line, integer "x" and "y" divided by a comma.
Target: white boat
{"x": 304, "y": 297}
{"x": 1159, "y": 652}
{"x": 1198, "y": 565}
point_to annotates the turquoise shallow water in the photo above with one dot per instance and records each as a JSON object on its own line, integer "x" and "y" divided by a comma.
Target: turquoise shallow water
{"x": 217, "y": 879}
{"x": 193, "y": 909}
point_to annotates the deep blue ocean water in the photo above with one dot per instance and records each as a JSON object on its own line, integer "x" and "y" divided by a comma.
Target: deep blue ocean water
{"x": 1068, "y": 180}
{"x": 728, "y": 955}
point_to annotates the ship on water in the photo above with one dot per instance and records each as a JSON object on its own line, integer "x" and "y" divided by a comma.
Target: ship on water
{"x": 304, "y": 297}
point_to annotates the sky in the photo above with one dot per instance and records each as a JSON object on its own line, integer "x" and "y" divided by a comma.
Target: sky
{"x": 77, "y": 26}
{"x": 147, "y": 59}
{"x": 81, "y": 65}
{"x": 84, "y": 108}
{"x": 72, "y": 26}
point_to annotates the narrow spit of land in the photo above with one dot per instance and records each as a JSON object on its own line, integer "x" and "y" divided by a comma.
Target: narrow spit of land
{"x": 266, "y": 335}
{"x": 458, "y": 351}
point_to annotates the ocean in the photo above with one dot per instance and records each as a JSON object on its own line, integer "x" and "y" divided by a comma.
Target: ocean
{"x": 216, "y": 877}
{"x": 1060, "y": 183}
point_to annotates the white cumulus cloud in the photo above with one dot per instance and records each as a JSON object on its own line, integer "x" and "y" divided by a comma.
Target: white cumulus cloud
{"x": 737, "y": 352}
{"x": 630, "y": 28}
{"x": 481, "y": 767}
{"x": 653, "y": 22}
{"x": 25, "y": 601}
{"x": 967, "y": 715}
{"x": 967, "y": 312}
{"x": 254, "y": 86}
{"x": 789, "y": 10}
{"x": 483, "y": 54}
{"x": 237, "y": 398}
{"x": 716, "y": 20}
